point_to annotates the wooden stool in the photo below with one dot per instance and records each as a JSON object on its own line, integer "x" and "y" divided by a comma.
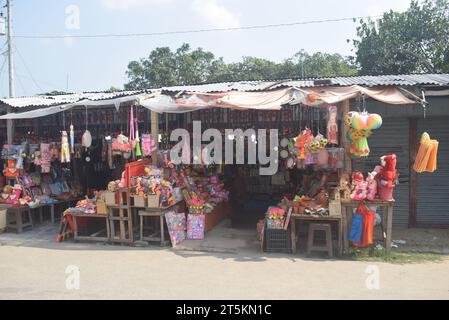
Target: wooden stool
{"x": 19, "y": 218}
{"x": 313, "y": 227}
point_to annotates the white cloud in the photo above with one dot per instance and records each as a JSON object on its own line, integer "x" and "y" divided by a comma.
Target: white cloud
{"x": 380, "y": 8}
{"x": 68, "y": 41}
{"x": 217, "y": 15}
{"x": 131, "y": 4}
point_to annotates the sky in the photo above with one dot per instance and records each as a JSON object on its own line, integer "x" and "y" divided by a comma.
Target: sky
{"x": 94, "y": 64}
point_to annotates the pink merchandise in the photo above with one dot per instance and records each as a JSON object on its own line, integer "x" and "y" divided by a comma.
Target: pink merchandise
{"x": 371, "y": 186}
{"x": 332, "y": 127}
{"x": 358, "y": 186}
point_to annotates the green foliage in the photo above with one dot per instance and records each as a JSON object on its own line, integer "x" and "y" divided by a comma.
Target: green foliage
{"x": 414, "y": 41}
{"x": 165, "y": 67}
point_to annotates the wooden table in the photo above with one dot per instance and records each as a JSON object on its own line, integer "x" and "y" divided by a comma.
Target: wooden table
{"x": 158, "y": 236}
{"x": 306, "y": 218}
{"x": 94, "y": 236}
{"x": 387, "y": 219}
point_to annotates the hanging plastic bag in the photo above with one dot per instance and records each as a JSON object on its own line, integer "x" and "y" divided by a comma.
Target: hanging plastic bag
{"x": 426, "y": 158}
{"x": 355, "y": 234}
{"x": 86, "y": 140}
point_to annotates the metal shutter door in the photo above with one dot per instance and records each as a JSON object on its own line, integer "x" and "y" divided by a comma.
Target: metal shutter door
{"x": 433, "y": 188}
{"x": 391, "y": 138}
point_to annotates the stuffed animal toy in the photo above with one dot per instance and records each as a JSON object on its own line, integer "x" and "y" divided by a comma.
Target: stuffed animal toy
{"x": 388, "y": 171}
{"x": 14, "y": 197}
{"x": 122, "y": 183}
{"x": 387, "y": 177}
{"x": 358, "y": 186}
{"x": 371, "y": 186}
{"x": 11, "y": 170}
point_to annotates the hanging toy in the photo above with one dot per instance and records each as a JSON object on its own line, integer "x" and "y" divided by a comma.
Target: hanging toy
{"x": 301, "y": 141}
{"x": 332, "y": 127}
{"x": 65, "y": 150}
{"x": 86, "y": 140}
{"x": 426, "y": 158}
{"x": 132, "y": 137}
{"x": 360, "y": 125}
{"x": 72, "y": 139}
{"x": 138, "y": 149}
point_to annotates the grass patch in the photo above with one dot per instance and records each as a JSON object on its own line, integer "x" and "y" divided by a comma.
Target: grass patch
{"x": 379, "y": 255}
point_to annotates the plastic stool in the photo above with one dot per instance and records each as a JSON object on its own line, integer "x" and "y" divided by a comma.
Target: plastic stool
{"x": 313, "y": 227}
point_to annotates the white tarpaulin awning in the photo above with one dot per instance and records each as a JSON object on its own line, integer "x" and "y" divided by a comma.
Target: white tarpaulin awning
{"x": 238, "y": 100}
{"x": 116, "y": 102}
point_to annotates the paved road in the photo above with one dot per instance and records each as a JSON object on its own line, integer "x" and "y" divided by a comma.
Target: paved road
{"x": 124, "y": 273}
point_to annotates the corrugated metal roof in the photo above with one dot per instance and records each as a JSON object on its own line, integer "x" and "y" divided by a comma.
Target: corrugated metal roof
{"x": 54, "y": 100}
{"x": 368, "y": 81}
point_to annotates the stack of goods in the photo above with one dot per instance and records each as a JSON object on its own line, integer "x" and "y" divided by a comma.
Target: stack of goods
{"x": 196, "y": 206}
{"x": 426, "y": 159}
{"x": 206, "y": 188}
{"x": 36, "y": 189}
{"x": 11, "y": 195}
{"x": 154, "y": 188}
{"x": 275, "y": 218}
{"x": 360, "y": 126}
{"x": 318, "y": 205}
{"x": 86, "y": 206}
{"x": 378, "y": 184}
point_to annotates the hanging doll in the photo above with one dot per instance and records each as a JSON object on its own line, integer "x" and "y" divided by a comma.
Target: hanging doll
{"x": 332, "y": 127}
{"x": 65, "y": 149}
{"x": 72, "y": 139}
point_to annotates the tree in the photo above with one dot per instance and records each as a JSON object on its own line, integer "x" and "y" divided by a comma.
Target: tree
{"x": 413, "y": 41}
{"x": 163, "y": 67}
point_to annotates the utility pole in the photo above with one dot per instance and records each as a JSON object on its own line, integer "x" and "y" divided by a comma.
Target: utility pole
{"x": 12, "y": 90}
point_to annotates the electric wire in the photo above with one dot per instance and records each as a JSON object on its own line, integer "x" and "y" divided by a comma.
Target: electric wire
{"x": 163, "y": 33}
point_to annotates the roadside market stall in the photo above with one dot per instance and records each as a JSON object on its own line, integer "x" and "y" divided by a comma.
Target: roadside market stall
{"x": 319, "y": 139}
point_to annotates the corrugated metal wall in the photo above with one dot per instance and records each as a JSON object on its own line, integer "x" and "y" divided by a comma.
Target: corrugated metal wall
{"x": 433, "y": 188}
{"x": 392, "y": 137}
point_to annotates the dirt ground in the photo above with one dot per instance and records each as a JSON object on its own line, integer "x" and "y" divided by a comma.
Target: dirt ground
{"x": 422, "y": 240}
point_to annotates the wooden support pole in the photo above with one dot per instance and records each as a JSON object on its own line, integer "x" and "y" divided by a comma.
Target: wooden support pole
{"x": 413, "y": 201}
{"x": 155, "y": 134}
{"x": 344, "y": 141}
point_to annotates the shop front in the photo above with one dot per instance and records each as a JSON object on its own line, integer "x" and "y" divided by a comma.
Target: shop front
{"x": 110, "y": 174}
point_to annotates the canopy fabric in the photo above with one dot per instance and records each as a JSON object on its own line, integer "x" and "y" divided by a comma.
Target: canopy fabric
{"x": 269, "y": 100}
{"x": 116, "y": 102}
{"x": 333, "y": 95}
{"x": 261, "y": 100}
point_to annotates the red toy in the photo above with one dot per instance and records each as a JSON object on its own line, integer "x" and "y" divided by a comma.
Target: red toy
{"x": 388, "y": 173}
{"x": 387, "y": 177}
